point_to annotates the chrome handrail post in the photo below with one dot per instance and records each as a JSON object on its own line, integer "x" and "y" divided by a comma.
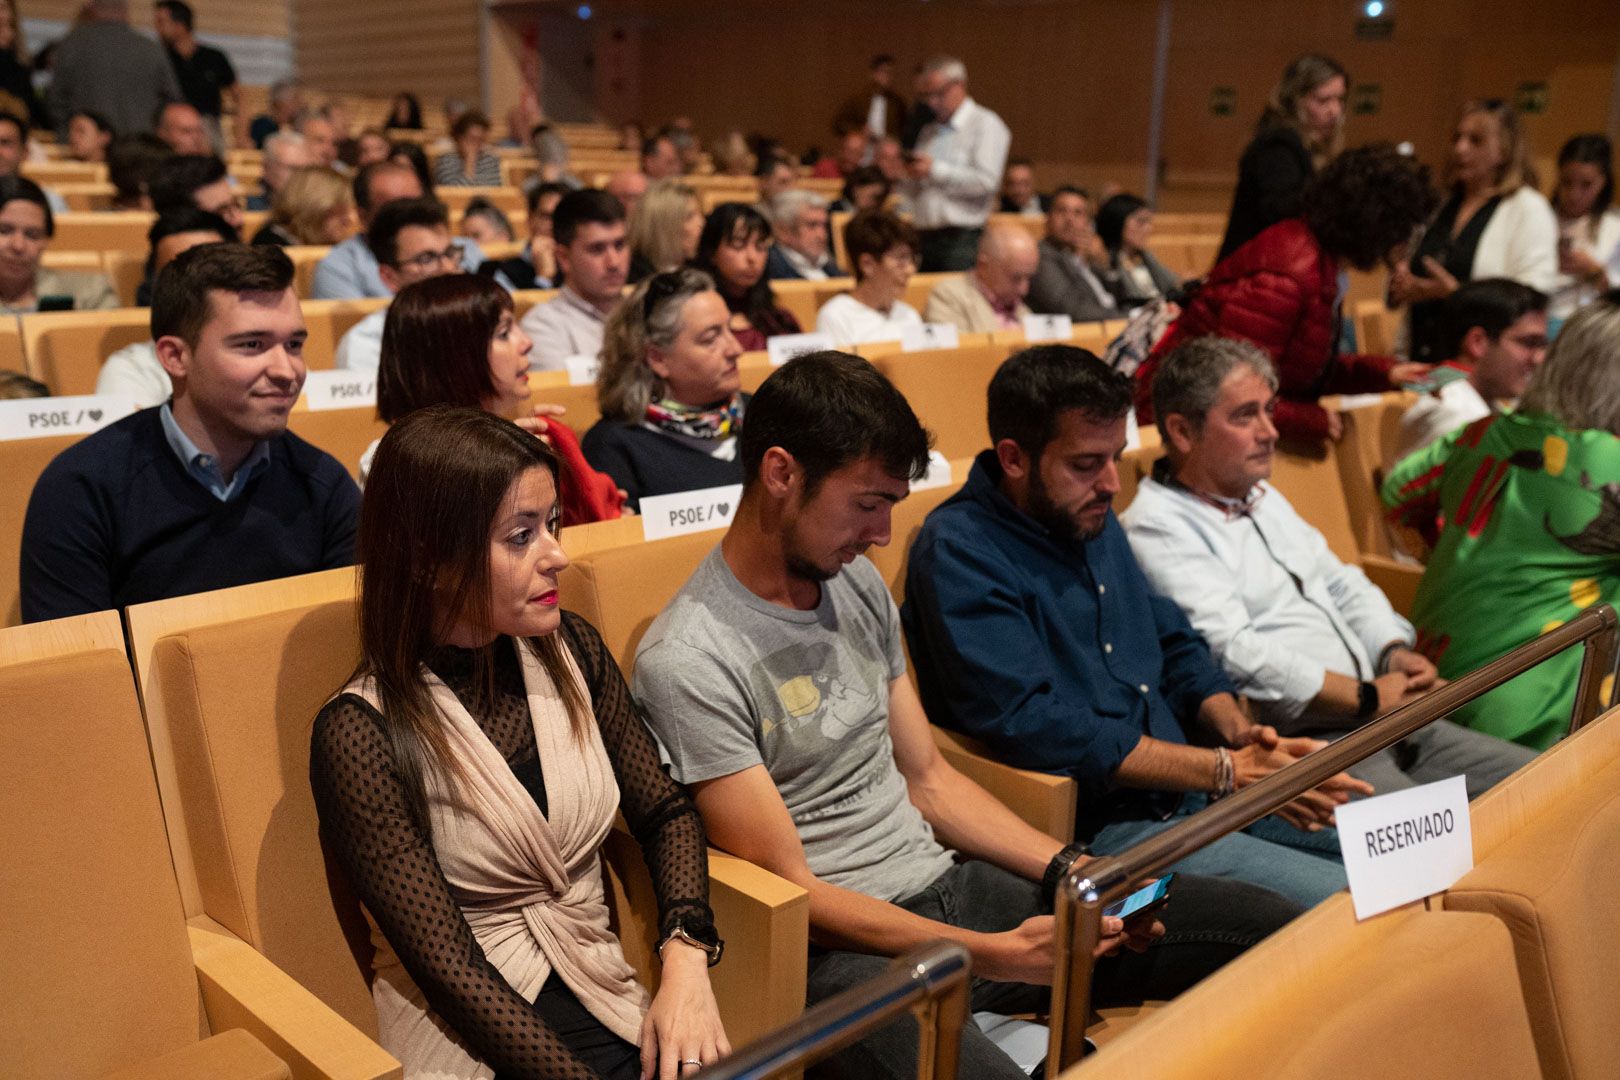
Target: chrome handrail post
{"x": 1076, "y": 930}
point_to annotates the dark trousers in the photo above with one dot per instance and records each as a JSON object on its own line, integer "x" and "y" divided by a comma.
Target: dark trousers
{"x": 1208, "y": 922}
{"x": 945, "y": 250}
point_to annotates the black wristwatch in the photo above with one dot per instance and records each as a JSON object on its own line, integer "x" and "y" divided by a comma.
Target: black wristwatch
{"x": 1058, "y": 868}
{"x": 702, "y": 935}
{"x": 1369, "y": 701}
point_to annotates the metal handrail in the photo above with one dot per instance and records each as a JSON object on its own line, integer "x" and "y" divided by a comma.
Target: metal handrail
{"x": 931, "y": 981}
{"x": 1102, "y": 880}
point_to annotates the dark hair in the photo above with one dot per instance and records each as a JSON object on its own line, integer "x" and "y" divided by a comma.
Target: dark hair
{"x": 540, "y": 191}
{"x": 435, "y": 345}
{"x": 881, "y": 59}
{"x": 1017, "y": 161}
{"x": 1366, "y": 202}
{"x": 185, "y": 219}
{"x": 178, "y": 10}
{"x": 1592, "y": 150}
{"x": 865, "y": 176}
{"x": 413, "y": 112}
{"x": 767, "y": 162}
{"x": 1492, "y": 304}
{"x": 131, "y": 162}
{"x": 1111, "y": 218}
{"x": 165, "y": 106}
{"x": 181, "y": 304}
{"x": 730, "y": 223}
{"x": 21, "y": 123}
{"x": 467, "y": 121}
{"x": 482, "y": 207}
{"x": 14, "y": 188}
{"x": 1038, "y": 384}
{"x": 363, "y": 178}
{"x": 1071, "y": 189}
{"x": 829, "y": 409}
{"x": 175, "y": 184}
{"x": 393, "y": 217}
{"x": 649, "y": 145}
{"x": 103, "y": 125}
{"x": 586, "y": 206}
{"x": 439, "y": 477}
{"x": 876, "y": 233}
{"x": 418, "y": 164}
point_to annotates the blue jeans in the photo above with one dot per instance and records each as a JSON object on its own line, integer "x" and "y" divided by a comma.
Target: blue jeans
{"x": 1305, "y": 867}
{"x": 1207, "y": 923}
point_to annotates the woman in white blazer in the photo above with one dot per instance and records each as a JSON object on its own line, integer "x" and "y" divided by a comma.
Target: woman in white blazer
{"x": 1588, "y": 227}
{"x": 1493, "y": 224}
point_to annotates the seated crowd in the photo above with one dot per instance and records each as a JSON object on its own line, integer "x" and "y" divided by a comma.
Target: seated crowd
{"x": 780, "y": 707}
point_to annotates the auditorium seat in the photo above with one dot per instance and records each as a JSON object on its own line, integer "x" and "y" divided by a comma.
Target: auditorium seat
{"x": 86, "y": 197}
{"x": 343, "y": 433}
{"x": 328, "y": 320}
{"x": 104, "y": 972}
{"x": 304, "y": 259}
{"x": 1371, "y": 432}
{"x": 1552, "y": 885}
{"x": 1397, "y": 580}
{"x": 231, "y": 743}
{"x": 1310, "y": 480}
{"x": 126, "y": 270}
{"x": 579, "y": 401}
{"x": 510, "y": 200}
{"x": 12, "y": 356}
{"x": 1378, "y": 329}
{"x": 52, "y": 173}
{"x": 946, "y": 389}
{"x": 102, "y": 230}
{"x": 21, "y": 462}
{"x": 87, "y": 262}
{"x": 524, "y": 299}
{"x": 66, "y": 348}
{"x": 1569, "y": 764}
{"x": 874, "y": 349}
{"x": 1409, "y": 993}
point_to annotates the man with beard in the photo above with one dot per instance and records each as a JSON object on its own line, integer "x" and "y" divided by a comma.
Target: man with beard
{"x": 776, "y": 682}
{"x": 1034, "y": 631}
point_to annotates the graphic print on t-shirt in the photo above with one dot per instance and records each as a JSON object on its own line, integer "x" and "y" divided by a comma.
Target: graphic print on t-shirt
{"x": 820, "y": 702}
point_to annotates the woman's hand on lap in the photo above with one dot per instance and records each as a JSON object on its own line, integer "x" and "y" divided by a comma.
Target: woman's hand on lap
{"x": 683, "y": 1023}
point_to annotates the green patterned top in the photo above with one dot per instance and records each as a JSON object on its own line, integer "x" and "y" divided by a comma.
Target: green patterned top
{"x": 1523, "y": 516}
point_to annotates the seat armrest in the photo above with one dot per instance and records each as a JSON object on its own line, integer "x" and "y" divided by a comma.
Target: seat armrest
{"x": 765, "y": 921}
{"x": 242, "y": 989}
{"x": 1045, "y": 801}
{"x": 1398, "y": 580}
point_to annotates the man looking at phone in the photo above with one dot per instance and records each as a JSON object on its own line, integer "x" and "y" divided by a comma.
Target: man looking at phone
{"x": 1034, "y": 631}
{"x": 955, "y": 169}
{"x": 776, "y": 682}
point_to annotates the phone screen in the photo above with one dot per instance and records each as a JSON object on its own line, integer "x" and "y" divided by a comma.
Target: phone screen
{"x": 1141, "y": 898}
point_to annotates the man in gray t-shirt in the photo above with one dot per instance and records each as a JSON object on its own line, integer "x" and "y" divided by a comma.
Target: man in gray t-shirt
{"x": 776, "y": 683}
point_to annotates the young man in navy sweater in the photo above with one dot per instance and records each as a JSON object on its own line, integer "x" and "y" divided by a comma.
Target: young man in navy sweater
{"x": 207, "y": 490}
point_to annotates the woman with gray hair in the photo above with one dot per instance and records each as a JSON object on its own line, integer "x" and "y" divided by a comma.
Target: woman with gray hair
{"x": 1522, "y": 511}
{"x": 669, "y": 390}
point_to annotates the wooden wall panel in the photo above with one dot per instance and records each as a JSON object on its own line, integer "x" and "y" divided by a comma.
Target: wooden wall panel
{"x": 380, "y": 47}
{"x": 266, "y": 18}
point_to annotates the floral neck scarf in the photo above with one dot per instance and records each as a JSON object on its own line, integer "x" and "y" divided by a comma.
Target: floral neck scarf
{"x": 716, "y": 421}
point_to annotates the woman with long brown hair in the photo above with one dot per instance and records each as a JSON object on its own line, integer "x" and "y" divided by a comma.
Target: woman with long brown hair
{"x": 455, "y": 340}
{"x": 468, "y": 774}
{"x": 1301, "y": 130}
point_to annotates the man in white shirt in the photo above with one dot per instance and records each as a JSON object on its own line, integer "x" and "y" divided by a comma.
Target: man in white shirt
{"x": 588, "y": 235}
{"x": 411, "y": 241}
{"x": 883, "y": 250}
{"x": 955, "y": 169}
{"x": 1312, "y": 644}
{"x": 1498, "y": 340}
{"x": 134, "y": 372}
{"x": 799, "y": 229}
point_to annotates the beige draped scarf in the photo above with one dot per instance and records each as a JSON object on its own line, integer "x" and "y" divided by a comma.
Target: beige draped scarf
{"x": 529, "y": 885}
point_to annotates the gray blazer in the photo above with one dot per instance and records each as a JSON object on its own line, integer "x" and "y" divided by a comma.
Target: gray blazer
{"x": 1060, "y": 288}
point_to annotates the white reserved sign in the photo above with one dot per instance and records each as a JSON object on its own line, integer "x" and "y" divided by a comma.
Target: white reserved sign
{"x": 338, "y": 388}
{"x": 1405, "y": 845}
{"x": 1048, "y": 328}
{"x": 582, "y": 369}
{"x": 928, "y": 335}
{"x": 30, "y": 418}
{"x": 784, "y": 347}
{"x": 688, "y": 511}
{"x": 938, "y": 474}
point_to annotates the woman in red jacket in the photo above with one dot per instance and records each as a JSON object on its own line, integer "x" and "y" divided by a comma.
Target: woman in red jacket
{"x": 1283, "y": 290}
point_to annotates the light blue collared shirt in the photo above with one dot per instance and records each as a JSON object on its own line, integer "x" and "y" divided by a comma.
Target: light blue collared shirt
{"x": 204, "y": 468}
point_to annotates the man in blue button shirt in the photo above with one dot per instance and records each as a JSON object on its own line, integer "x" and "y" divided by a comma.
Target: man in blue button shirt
{"x": 207, "y": 490}
{"x": 1033, "y": 630}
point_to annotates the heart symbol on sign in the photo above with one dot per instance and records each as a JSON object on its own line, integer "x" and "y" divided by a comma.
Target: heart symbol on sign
{"x": 95, "y": 414}
{"x": 724, "y": 508}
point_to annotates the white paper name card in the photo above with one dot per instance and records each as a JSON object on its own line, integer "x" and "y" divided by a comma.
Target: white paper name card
{"x": 931, "y": 335}
{"x": 338, "y": 388}
{"x": 689, "y": 511}
{"x": 938, "y": 474}
{"x": 784, "y": 347}
{"x": 582, "y": 369}
{"x": 31, "y": 418}
{"x": 1405, "y": 845}
{"x": 1048, "y": 328}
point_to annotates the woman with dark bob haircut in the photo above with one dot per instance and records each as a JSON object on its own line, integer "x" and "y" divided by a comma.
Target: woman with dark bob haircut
{"x": 455, "y": 340}
{"x": 732, "y": 251}
{"x": 467, "y": 775}
{"x": 1281, "y": 290}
